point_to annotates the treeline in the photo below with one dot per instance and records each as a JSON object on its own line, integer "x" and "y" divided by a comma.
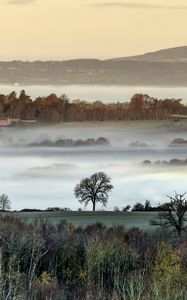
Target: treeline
{"x": 101, "y": 141}
{"x": 45, "y": 261}
{"x": 171, "y": 162}
{"x": 146, "y": 207}
{"x": 61, "y": 109}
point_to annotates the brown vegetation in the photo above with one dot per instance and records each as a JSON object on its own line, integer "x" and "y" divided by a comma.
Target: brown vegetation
{"x": 61, "y": 109}
{"x": 44, "y": 261}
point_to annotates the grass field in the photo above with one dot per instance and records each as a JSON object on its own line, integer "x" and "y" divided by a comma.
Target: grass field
{"x": 126, "y": 219}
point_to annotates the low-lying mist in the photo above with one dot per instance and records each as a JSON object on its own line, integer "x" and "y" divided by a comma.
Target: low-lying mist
{"x": 39, "y": 177}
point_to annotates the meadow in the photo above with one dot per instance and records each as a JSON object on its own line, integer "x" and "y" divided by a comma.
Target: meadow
{"x": 82, "y": 219}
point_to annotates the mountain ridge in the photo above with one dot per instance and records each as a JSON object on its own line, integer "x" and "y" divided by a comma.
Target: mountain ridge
{"x": 167, "y": 67}
{"x": 168, "y": 54}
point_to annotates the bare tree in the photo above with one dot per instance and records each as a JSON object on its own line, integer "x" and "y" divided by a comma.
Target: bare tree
{"x": 5, "y": 203}
{"x": 173, "y": 214}
{"x": 94, "y": 189}
{"x": 147, "y": 205}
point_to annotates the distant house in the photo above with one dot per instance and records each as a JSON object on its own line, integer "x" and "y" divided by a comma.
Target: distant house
{"x": 5, "y": 122}
{"x": 8, "y": 122}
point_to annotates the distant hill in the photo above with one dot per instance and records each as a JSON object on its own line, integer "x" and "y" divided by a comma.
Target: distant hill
{"x": 172, "y": 54}
{"x": 161, "y": 68}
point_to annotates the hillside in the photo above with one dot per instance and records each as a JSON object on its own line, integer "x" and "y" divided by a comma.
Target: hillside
{"x": 161, "y": 68}
{"x": 172, "y": 54}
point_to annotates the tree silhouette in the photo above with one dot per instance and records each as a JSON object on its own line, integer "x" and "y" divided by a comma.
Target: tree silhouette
{"x": 147, "y": 205}
{"x": 5, "y": 203}
{"x": 94, "y": 189}
{"x": 173, "y": 214}
{"x": 138, "y": 207}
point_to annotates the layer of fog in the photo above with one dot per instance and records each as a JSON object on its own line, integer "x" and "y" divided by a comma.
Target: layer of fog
{"x": 98, "y": 92}
{"x": 119, "y": 134}
{"x": 43, "y": 177}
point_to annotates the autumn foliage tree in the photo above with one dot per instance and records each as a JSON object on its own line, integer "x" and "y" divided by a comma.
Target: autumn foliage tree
{"x": 61, "y": 109}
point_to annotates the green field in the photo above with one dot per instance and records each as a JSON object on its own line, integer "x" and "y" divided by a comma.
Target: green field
{"x": 126, "y": 219}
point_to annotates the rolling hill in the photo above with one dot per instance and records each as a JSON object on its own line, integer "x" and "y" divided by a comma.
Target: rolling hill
{"x": 166, "y": 67}
{"x": 172, "y": 54}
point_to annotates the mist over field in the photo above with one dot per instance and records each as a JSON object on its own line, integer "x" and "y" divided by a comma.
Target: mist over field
{"x": 39, "y": 177}
{"x": 93, "y": 110}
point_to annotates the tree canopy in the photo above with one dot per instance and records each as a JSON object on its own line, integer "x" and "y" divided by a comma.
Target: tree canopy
{"x": 94, "y": 189}
{"x": 62, "y": 109}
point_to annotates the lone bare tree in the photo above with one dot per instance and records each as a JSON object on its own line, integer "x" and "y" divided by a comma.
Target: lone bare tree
{"x": 173, "y": 214}
{"x": 94, "y": 189}
{"x": 5, "y": 203}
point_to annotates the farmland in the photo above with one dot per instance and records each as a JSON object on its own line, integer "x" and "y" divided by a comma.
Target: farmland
{"x": 125, "y": 219}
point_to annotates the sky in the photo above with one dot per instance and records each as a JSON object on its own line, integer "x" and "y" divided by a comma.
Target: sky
{"x": 65, "y": 29}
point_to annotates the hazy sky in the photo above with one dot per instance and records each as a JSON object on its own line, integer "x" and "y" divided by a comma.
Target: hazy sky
{"x": 61, "y": 29}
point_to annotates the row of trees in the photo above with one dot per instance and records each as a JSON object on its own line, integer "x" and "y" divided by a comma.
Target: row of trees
{"x": 57, "y": 109}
